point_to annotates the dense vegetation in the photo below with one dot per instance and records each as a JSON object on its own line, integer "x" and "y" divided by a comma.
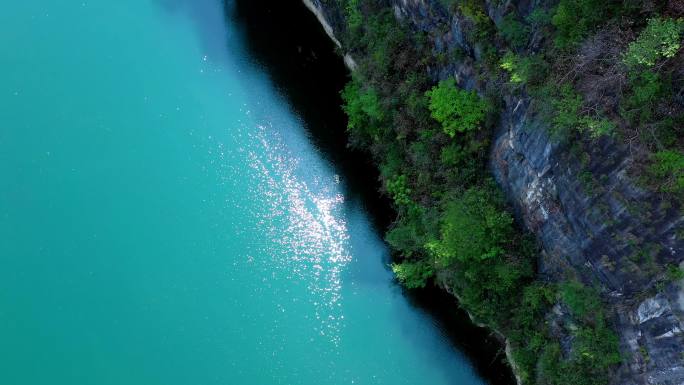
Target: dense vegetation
{"x": 431, "y": 139}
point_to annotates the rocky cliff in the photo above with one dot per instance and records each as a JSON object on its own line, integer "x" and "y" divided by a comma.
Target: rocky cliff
{"x": 609, "y": 232}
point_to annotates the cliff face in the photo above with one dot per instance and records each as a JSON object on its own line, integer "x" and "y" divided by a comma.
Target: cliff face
{"x": 608, "y": 233}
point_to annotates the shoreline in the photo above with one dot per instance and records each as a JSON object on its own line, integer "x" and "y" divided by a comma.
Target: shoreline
{"x": 501, "y": 338}
{"x": 300, "y": 61}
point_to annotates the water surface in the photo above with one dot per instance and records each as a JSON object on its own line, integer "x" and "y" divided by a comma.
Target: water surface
{"x": 166, "y": 217}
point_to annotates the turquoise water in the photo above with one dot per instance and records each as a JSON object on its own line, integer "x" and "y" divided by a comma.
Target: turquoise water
{"x": 165, "y": 219}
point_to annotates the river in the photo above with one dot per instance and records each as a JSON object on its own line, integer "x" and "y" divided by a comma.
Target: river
{"x": 171, "y": 213}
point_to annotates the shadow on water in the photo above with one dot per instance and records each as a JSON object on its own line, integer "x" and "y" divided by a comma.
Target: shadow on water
{"x": 286, "y": 40}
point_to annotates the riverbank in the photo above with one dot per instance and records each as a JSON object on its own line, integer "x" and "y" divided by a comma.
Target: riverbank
{"x": 303, "y": 61}
{"x": 447, "y": 94}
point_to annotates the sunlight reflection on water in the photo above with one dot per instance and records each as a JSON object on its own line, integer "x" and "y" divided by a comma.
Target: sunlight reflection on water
{"x": 313, "y": 248}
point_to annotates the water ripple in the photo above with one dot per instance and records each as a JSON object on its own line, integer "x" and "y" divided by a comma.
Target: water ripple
{"x": 305, "y": 220}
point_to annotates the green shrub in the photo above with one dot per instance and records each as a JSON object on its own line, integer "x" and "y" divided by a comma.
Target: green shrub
{"x": 574, "y": 19}
{"x": 478, "y": 243}
{"x": 384, "y": 40}
{"x": 364, "y": 111}
{"x": 354, "y": 16}
{"x": 595, "y": 348}
{"x": 456, "y": 109}
{"x": 404, "y": 237}
{"x": 583, "y": 302}
{"x": 524, "y": 69}
{"x": 398, "y": 189}
{"x": 566, "y": 108}
{"x": 668, "y": 170}
{"x": 453, "y": 154}
{"x": 526, "y": 331}
{"x": 660, "y": 39}
{"x": 514, "y": 32}
{"x": 539, "y": 17}
{"x": 413, "y": 275}
{"x": 674, "y": 273}
{"x": 597, "y": 128}
{"x": 645, "y": 90}
{"x": 476, "y": 12}
{"x": 568, "y": 116}
{"x": 474, "y": 228}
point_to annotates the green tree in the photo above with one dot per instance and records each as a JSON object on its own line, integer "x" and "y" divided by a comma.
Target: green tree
{"x": 364, "y": 111}
{"x": 456, "y": 109}
{"x": 646, "y": 89}
{"x": 398, "y": 188}
{"x": 660, "y": 39}
{"x": 524, "y": 69}
{"x": 413, "y": 275}
{"x": 474, "y": 228}
{"x": 516, "y": 33}
{"x": 668, "y": 169}
{"x": 574, "y": 19}
{"x": 354, "y": 16}
{"x": 568, "y": 116}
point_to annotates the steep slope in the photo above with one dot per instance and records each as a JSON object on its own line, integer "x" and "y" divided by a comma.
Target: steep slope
{"x": 586, "y": 196}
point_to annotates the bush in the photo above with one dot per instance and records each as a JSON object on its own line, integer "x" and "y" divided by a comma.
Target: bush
{"x": 567, "y": 111}
{"x": 524, "y": 69}
{"x": 456, "y": 109}
{"x": 674, "y": 273}
{"x": 364, "y": 112}
{"x": 646, "y": 88}
{"x": 474, "y": 228}
{"x": 568, "y": 116}
{"x": 404, "y": 237}
{"x": 595, "y": 348}
{"x": 354, "y": 16}
{"x": 381, "y": 45}
{"x": 413, "y": 275}
{"x": 597, "y": 128}
{"x": 398, "y": 189}
{"x": 668, "y": 169}
{"x": 489, "y": 263}
{"x": 476, "y": 12}
{"x": 574, "y": 19}
{"x": 582, "y": 301}
{"x": 514, "y": 32}
{"x": 660, "y": 39}
{"x": 539, "y": 17}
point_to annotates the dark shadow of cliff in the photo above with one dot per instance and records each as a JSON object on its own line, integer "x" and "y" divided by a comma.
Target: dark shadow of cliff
{"x": 286, "y": 39}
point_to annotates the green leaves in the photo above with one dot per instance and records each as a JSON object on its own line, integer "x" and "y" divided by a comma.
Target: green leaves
{"x": 668, "y": 168}
{"x": 354, "y": 16}
{"x": 568, "y": 116}
{"x": 474, "y": 228}
{"x": 660, "y": 39}
{"x": 516, "y": 33}
{"x": 574, "y": 19}
{"x": 364, "y": 111}
{"x": 398, "y": 188}
{"x": 595, "y": 347}
{"x": 524, "y": 69}
{"x": 456, "y": 109}
{"x": 583, "y": 302}
{"x": 413, "y": 275}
